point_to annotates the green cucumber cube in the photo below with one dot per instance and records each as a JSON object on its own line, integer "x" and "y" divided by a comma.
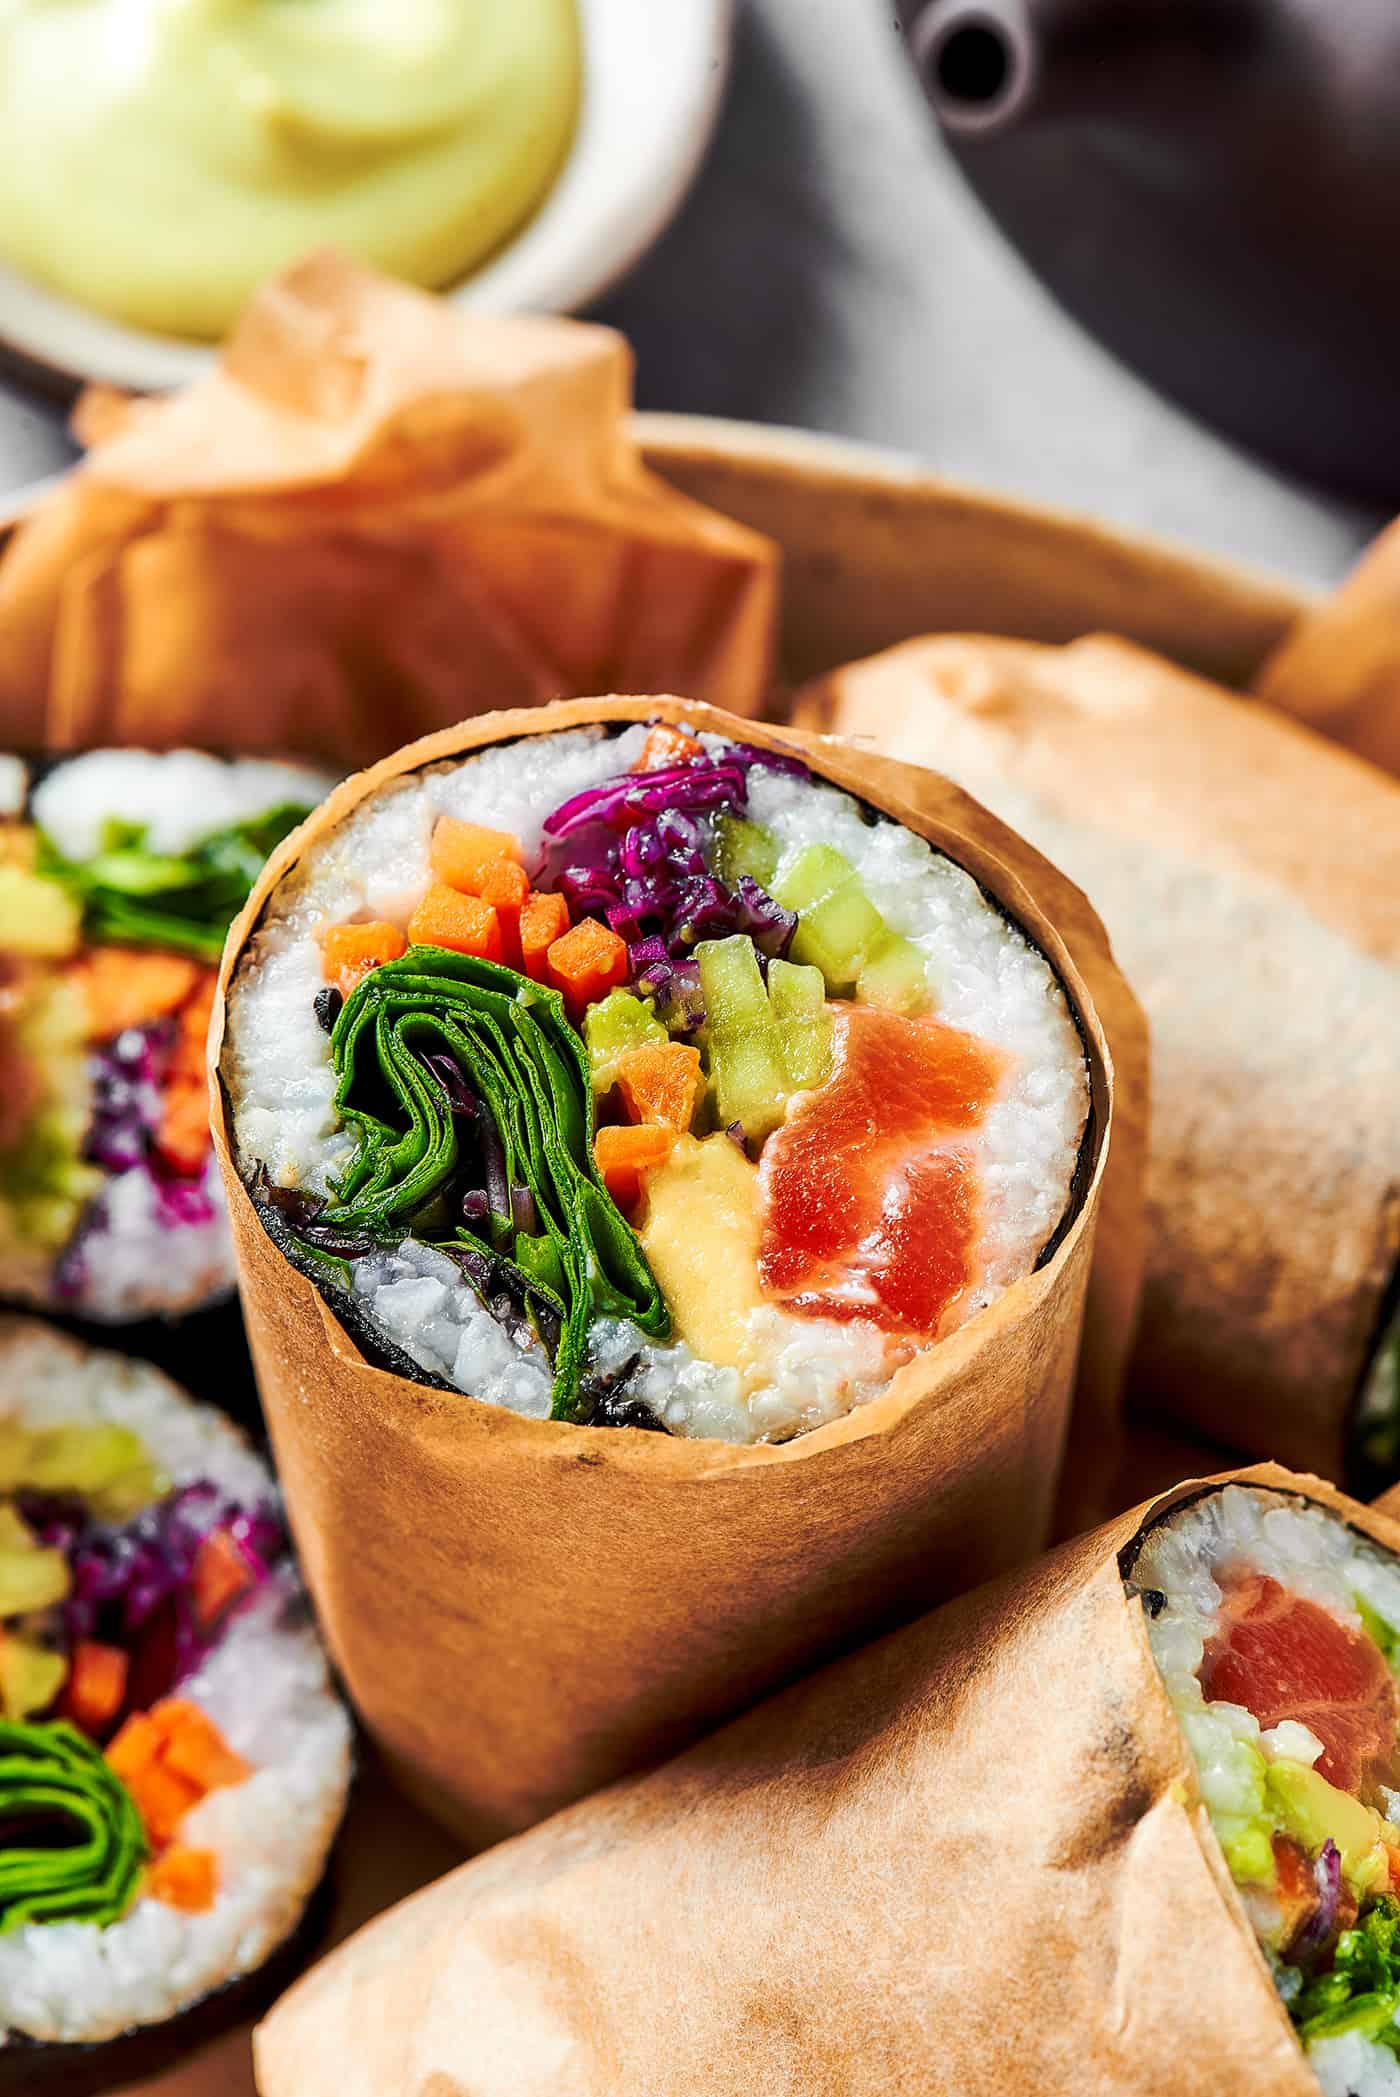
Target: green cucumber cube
{"x": 619, "y": 1022}
{"x": 798, "y": 999}
{"x": 732, "y": 984}
{"x": 742, "y": 847}
{"x": 896, "y": 976}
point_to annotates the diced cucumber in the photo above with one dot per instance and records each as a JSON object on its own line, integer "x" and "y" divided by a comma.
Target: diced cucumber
{"x": 619, "y": 1022}
{"x": 742, "y": 847}
{"x": 810, "y": 876}
{"x": 745, "y": 1055}
{"x": 797, "y": 996}
{"x": 732, "y": 983}
{"x": 841, "y": 932}
{"x": 751, "y": 1085}
{"x": 895, "y": 976}
{"x": 838, "y": 927}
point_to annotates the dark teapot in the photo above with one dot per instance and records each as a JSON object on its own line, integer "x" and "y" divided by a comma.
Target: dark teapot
{"x": 1211, "y": 186}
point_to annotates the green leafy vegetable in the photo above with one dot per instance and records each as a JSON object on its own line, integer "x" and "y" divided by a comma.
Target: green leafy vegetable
{"x": 441, "y": 1060}
{"x": 71, "y": 1841}
{"x": 1361, "y": 1993}
{"x": 131, "y": 896}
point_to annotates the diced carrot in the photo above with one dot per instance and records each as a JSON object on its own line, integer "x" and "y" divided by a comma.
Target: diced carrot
{"x": 586, "y": 963}
{"x": 220, "y": 1575}
{"x": 136, "y": 1746}
{"x": 448, "y": 918}
{"x": 169, "y": 1758}
{"x": 660, "y": 1083}
{"x": 96, "y": 1685}
{"x": 463, "y": 854}
{"x": 667, "y": 746}
{"x": 349, "y": 952}
{"x": 185, "y": 1878}
{"x": 544, "y": 919}
{"x": 183, "y": 1138}
{"x": 625, "y": 1153}
{"x": 505, "y": 886}
{"x": 125, "y": 987}
{"x": 162, "y": 1798}
{"x": 198, "y": 1753}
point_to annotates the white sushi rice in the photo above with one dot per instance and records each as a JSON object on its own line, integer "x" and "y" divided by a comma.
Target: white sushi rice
{"x": 1311, "y": 1553}
{"x": 180, "y": 796}
{"x": 986, "y": 977}
{"x": 266, "y": 1687}
{"x": 137, "y": 1263}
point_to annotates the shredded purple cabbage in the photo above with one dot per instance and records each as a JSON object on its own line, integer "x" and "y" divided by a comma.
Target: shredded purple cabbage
{"x": 126, "y": 1099}
{"x": 634, "y": 851}
{"x": 131, "y": 1582}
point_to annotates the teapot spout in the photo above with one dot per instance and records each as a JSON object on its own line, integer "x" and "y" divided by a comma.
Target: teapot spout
{"x": 979, "y": 60}
{"x": 988, "y": 66}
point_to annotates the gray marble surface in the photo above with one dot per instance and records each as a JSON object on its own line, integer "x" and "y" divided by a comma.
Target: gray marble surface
{"x": 830, "y": 270}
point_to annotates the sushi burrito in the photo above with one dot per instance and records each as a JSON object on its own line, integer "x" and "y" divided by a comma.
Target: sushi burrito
{"x": 120, "y": 872}
{"x": 174, "y": 1762}
{"x": 664, "y": 1164}
{"x": 1247, "y": 871}
{"x": 1126, "y": 1821}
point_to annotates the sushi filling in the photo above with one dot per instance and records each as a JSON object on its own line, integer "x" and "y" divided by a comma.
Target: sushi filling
{"x": 120, "y": 873}
{"x": 172, "y": 1762}
{"x": 1277, "y": 1632}
{"x": 647, "y": 1080}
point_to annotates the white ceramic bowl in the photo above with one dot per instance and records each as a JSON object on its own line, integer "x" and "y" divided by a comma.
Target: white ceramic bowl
{"x": 654, "y": 73}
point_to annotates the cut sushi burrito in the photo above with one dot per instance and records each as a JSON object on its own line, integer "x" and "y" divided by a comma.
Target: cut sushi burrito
{"x": 120, "y": 872}
{"x": 607, "y": 1071}
{"x": 1198, "y": 1856}
{"x": 173, "y": 1761}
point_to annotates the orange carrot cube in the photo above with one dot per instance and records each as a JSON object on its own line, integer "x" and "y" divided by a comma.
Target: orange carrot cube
{"x": 625, "y": 1154}
{"x": 96, "y": 1685}
{"x": 588, "y": 962}
{"x": 543, "y": 920}
{"x": 162, "y": 1798}
{"x": 184, "y": 1878}
{"x": 135, "y": 1747}
{"x": 220, "y": 1575}
{"x": 349, "y": 952}
{"x": 197, "y": 1753}
{"x": 447, "y": 917}
{"x": 667, "y": 746}
{"x": 462, "y": 854}
{"x": 130, "y": 986}
{"x": 660, "y": 1084}
{"x": 505, "y": 886}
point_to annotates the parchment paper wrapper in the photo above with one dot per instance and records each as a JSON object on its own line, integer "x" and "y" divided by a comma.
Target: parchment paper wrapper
{"x": 972, "y": 1858}
{"x": 1247, "y": 872}
{"x": 376, "y": 515}
{"x": 1339, "y": 668}
{"x": 523, "y": 1610}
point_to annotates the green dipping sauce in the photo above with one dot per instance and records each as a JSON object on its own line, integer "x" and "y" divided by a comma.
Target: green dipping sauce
{"x": 158, "y": 158}
{"x": 71, "y": 1841}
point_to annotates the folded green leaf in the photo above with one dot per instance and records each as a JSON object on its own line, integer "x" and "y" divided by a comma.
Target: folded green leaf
{"x": 511, "y": 1042}
{"x": 71, "y": 1841}
{"x": 185, "y": 902}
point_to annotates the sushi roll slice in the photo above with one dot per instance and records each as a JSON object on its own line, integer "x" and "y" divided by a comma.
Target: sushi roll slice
{"x": 631, "y": 1077}
{"x": 173, "y": 1761}
{"x": 1276, "y": 1627}
{"x": 120, "y": 872}
{"x": 1124, "y": 1823}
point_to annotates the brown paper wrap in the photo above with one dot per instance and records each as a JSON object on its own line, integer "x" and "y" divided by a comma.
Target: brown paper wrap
{"x": 972, "y": 1858}
{"x": 1247, "y": 872}
{"x": 376, "y": 515}
{"x": 1339, "y": 667}
{"x": 523, "y": 1609}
